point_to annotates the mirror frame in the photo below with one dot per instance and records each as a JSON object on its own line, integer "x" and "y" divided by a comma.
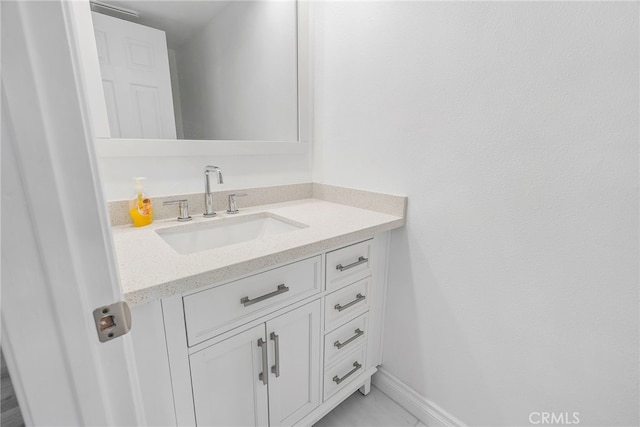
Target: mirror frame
{"x": 81, "y": 27}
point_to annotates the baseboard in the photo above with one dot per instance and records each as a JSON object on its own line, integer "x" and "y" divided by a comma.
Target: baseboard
{"x": 426, "y": 411}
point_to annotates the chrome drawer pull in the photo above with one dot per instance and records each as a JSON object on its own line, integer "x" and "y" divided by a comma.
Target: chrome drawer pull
{"x": 276, "y": 368}
{"x": 264, "y": 377}
{"x": 360, "y": 260}
{"x": 359, "y": 298}
{"x": 358, "y": 334}
{"x": 281, "y": 289}
{"x": 338, "y": 380}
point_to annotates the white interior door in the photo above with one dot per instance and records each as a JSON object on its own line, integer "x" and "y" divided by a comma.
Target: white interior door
{"x": 134, "y": 64}
{"x": 57, "y": 255}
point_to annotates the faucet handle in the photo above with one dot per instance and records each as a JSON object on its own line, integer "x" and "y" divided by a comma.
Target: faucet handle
{"x": 183, "y": 209}
{"x": 233, "y": 208}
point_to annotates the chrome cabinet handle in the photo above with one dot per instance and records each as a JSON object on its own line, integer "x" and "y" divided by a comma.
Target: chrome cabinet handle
{"x": 360, "y": 260}
{"x": 276, "y": 368}
{"x": 338, "y": 380}
{"x": 359, "y": 298}
{"x": 281, "y": 289}
{"x": 264, "y": 377}
{"x": 358, "y": 334}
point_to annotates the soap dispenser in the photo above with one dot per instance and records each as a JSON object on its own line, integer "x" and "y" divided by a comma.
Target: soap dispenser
{"x": 140, "y": 207}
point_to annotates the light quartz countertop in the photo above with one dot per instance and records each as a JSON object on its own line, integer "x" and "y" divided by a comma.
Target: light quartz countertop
{"x": 150, "y": 269}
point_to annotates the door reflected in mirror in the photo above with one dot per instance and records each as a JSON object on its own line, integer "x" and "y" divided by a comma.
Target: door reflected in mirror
{"x": 214, "y": 70}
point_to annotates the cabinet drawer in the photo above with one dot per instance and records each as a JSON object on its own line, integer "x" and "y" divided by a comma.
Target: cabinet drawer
{"x": 346, "y": 303}
{"x": 349, "y": 264}
{"x": 345, "y": 371}
{"x": 345, "y": 338}
{"x": 208, "y": 312}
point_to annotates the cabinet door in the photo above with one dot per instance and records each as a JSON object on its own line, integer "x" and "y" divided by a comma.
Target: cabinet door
{"x": 294, "y": 355}
{"x": 227, "y": 389}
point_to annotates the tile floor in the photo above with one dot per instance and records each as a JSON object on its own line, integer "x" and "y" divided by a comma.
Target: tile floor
{"x": 373, "y": 410}
{"x": 10, "y": 415}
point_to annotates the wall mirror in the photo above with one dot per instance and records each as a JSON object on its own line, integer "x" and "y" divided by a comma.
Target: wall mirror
{"x": 200, "y": 70}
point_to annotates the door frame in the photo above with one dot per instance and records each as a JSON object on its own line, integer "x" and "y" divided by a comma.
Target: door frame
{"x": 58, "y": 259}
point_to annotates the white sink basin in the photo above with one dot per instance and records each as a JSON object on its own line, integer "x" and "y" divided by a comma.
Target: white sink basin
{"x": 188, "y": 239}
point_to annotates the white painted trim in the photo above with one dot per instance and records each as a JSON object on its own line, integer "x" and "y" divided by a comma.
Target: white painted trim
{"x": 420, "y": 407}
{"x": 305, "y": 81}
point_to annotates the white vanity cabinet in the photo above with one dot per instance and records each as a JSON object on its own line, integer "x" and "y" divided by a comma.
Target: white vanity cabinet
{"x": 248, "y": 352}
{"x": 347, "y": 326}
{"x": 266, "y": 375}
{"x": 212, "y": 311}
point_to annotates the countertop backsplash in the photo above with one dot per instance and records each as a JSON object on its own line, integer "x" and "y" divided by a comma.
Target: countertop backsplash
{"x": 378, "y": 202}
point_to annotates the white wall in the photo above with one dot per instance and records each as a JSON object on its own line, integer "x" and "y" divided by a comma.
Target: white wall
{"x": 168, "y": 176}
{"x": 513, "y": 129}
{"x": 238, "y": 74}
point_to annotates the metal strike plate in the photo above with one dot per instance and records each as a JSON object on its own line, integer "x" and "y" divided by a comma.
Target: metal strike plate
{"x": 112, "y": 320}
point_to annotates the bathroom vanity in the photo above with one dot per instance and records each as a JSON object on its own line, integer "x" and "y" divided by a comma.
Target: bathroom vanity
{"x": 273, "y": 330}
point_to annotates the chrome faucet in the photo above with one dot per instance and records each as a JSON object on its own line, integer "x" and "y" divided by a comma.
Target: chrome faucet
{"x": 208, "y": 197}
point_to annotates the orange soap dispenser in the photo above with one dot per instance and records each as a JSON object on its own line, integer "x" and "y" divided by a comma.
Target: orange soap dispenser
{"x": 140, "y": 207}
